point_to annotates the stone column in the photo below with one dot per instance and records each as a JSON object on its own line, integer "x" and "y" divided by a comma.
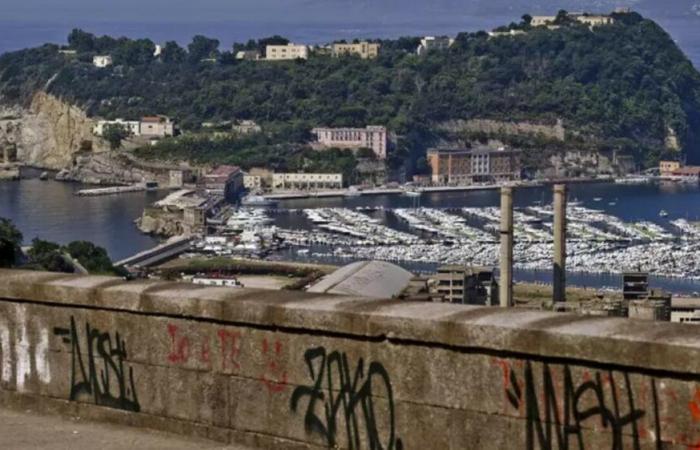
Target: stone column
{"x": 506, "y": 261}
{"x": 559, "y": 243}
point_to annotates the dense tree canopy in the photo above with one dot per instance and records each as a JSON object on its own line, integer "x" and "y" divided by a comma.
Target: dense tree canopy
{"x": 615, "y": 87}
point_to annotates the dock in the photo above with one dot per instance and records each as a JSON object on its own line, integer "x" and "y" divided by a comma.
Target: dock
{"x": 113, "y": 190}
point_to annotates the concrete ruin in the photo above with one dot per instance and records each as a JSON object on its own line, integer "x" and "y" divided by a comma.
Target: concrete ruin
{"x": 294, "y": 370}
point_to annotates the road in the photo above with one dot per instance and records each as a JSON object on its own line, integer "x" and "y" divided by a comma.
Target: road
{"x": 28, "y": 430}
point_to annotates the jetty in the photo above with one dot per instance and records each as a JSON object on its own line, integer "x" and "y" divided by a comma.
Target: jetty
{"x": 113, "y": 190}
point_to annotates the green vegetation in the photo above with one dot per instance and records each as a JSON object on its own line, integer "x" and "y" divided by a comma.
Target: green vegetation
{"x": 618, "y": 87}
{"x": 45, "y": 255}
{"x": 115, "y": 134}
{"x": 10, "y": 241}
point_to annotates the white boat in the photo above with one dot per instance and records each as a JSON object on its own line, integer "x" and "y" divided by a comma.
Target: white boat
{"x": 597, "y": 199}
{"x": 257, "y": 200}
{"x": 413, "y": 193}
{"x": 663, "y": 213}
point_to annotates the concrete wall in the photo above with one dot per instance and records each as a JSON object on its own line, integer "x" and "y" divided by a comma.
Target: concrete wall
{"x": 294, "y": 370}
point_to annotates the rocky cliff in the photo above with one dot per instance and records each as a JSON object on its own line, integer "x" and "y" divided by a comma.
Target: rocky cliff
{"x": 48, "y": 133}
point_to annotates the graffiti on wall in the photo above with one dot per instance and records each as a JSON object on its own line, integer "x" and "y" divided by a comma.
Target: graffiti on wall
{"x": 347, "y": 399}
{"x": 24, "y": 350}
{"x": 560, "y": 403}
{"x": 197, "y": 348}
{"x": 99, "y": 371}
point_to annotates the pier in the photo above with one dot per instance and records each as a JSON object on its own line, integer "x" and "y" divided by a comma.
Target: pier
{"x": 158, "y": 254}
{"x": 113, "y": 190}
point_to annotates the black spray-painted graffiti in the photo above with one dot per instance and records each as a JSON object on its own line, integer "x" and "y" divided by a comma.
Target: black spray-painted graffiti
{"x": 101, "y": 375}
{"x": 347, "y": 398}
{"x": 555, "y": 413}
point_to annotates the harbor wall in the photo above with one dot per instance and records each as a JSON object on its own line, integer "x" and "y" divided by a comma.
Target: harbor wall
{"x": 296, "y": 370}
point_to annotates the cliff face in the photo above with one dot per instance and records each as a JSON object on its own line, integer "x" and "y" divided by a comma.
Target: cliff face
{"x": 47, "y": 134}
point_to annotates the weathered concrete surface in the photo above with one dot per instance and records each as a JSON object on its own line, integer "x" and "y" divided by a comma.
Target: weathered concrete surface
{"x": 29, "y": 430}
{"x": 294, "y": 370}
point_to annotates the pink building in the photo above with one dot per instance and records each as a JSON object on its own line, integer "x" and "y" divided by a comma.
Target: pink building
{"x": 372, "y": 137}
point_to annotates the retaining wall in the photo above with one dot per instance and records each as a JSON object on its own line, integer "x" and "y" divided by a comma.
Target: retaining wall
{"x": 294, "y": 370}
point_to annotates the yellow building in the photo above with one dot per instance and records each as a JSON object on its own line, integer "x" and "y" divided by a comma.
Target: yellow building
{"x": 286, "y": 52}
{"x": 666, "y": 168}
{"x": 307, "y": 181}
{"x": 366, "y": 50}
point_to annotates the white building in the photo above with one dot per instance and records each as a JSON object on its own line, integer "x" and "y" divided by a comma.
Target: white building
{"x": 286, "y": 52}
{"x": 592, "y": 20}
{"x": 429, "y": 43}
{"x": 306, "y": 181}
{"x": 248, "y": 55}
{"x": 132, "y": 126}
{"x": 372, "y": 137}
{"x": 101, "y": 61}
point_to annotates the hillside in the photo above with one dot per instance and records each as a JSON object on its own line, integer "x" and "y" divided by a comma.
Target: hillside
{"x": 623, "y": 87}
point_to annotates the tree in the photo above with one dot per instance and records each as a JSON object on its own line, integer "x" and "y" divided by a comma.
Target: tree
{"x": 115, "y": 134}
{"x": 527, "y": 19}
{"x": 10, "y": 241}
{"x": 272, "y": 40}
{"x": 134, "y": 52}
{"x": 95, "y": 259}
{"x": 47, "y": 255}
{"x": 81, "y": 41}
{"x": 201, "y": 48}
{"x": 173, "y": 53}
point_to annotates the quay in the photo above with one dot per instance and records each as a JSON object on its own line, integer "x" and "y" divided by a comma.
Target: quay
{"x": 112, "y": 190}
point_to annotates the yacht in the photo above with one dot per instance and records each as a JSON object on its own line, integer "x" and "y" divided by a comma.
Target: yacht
{"x": 257, "y": 200}
{"x": 663, "y": 213}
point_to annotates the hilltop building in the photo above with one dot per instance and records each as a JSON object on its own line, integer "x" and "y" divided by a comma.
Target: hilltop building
{"x": 246, "y": 127}
{"x": 307, "y": 181}
{"x": 286, "y": 52}
{"x": 366, "y": 50}
{"x": 132, "y": 126}
{"x": 101, "y": 61}
{"x": 592, "y": 20}
{"x": 156, "y": 126}
{"x": 372, "y": 137}
{"x": 248, "y": 55}
{"x": 429, "y": 43}
{"x": 474, "y": 165}
{"x": 150, "y": 127}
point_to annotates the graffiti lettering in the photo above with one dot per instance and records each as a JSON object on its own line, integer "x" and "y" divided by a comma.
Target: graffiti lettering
{"x": 109, "y": 383}
{"x": 554, "y": 414}
{"x": 347, "y": 399}
{"x": 180, "y": 346}
{"x": 274, "y": 377}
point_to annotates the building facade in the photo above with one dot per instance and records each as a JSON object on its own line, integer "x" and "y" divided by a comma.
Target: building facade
{"x": 366, "y": 50}
{"x": 429, "y": 43}
{"x": 252, "y": 182}
{"x": 101, "y": 61}
{"x": 286, "y": 52}
{"x": 156, "y": 126}
{"x": 479, "y": 165}
{"x": 224, "y": 180}
{"x": 465, "y": 285}
{"x": 372, "y": 137}
{"x": 592, "y": 20}
{"x": 248, "y": 55}
{"x": 306, "y": 181}
{"x": 132, "y": 126}
{"x": 666, "y": 168}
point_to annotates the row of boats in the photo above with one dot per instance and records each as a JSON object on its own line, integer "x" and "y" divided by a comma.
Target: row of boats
{"x": 597, "y": 242}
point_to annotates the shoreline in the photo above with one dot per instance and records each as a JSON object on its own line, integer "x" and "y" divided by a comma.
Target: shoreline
{"x": 429, "y": 190}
